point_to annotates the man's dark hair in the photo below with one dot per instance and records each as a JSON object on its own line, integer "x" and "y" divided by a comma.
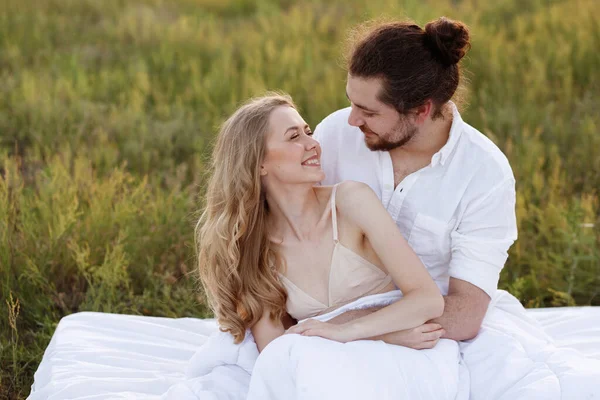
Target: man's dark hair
{"x": 415, "y": 64}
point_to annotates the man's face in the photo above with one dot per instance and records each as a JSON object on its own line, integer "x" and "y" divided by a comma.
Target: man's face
{"x": 384, "y": 128}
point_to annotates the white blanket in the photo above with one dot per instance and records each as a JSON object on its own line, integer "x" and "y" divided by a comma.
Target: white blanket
{"x": 111, "y": 356}
{"x": 299, "y": 367}
{"x": 512, "y": 358}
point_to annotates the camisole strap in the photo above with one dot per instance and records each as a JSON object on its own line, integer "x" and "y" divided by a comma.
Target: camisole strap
{"x": 334, "y": 215}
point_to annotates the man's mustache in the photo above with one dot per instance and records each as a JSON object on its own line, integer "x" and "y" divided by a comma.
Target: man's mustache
{"x": 365, "y": 129}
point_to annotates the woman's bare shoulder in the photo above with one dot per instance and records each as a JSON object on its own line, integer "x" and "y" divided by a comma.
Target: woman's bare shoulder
{"x": 354, "y": 198}
{"x": 345, "y": 190}
{"x": 349, "y": 191}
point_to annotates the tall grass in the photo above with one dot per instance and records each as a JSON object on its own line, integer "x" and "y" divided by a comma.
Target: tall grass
{"x": 108, "y": 110}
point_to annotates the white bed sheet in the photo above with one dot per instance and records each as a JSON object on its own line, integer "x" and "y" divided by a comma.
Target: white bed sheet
{"x": 111, "y": 356}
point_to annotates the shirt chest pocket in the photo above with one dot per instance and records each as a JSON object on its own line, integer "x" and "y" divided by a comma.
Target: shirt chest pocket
{"x": 430, "y": 239}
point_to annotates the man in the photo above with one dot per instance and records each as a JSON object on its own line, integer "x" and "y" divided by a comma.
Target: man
{"x": 451, "y": 192}
{"x": 450, "y": 189}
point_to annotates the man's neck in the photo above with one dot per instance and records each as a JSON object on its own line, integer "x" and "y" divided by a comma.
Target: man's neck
{"x": 432, "y": 136}
{"x": 417, "y": 153}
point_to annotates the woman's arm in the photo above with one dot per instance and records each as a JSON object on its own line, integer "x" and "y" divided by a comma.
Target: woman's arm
{"x": 266, "y": 330}
{"x": 421, "y": 301}
{"x": 425, "y": 336}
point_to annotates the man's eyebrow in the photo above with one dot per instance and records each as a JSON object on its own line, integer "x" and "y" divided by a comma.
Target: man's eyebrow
{"x": 359, "y": 106}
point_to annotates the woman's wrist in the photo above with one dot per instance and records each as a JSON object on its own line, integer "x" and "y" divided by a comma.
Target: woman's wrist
{"x": 353, "y": 330}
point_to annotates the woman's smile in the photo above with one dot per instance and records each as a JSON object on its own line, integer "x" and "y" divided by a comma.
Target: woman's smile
{"x": 312, "y": 162}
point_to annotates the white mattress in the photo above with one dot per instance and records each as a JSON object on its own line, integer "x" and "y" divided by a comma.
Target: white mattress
{"x": 102, "y": 356}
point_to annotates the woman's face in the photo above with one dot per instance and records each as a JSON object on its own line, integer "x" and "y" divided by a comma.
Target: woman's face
{"x": 292, "y": 155}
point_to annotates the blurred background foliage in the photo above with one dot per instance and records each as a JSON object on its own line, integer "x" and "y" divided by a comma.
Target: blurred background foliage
{"x": 108, "y": 110}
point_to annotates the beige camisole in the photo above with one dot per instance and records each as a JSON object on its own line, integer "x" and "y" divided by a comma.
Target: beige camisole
{"x": 350, "y": 277}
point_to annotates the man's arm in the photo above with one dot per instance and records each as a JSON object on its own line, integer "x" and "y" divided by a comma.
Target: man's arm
{"x": 464, "y": 309}
{"x": 480, "y": 246}
{"x": 480, "y": 249}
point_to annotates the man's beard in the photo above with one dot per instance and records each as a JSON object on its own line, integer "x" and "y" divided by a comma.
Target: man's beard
{"x": 408, "y": 132}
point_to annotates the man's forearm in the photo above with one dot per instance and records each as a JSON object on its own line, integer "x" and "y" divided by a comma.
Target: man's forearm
{"x": 461, "y": 318}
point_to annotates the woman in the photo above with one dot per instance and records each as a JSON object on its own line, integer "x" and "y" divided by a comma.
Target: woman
{"x": 272, "y": 242}
{"x": 269, "y": 235}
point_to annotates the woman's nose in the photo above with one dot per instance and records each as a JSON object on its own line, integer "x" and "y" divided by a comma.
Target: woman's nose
{"x": 311, "y": 143}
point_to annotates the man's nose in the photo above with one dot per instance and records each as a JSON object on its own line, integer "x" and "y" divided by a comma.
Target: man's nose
{"x": 354, "y": 119}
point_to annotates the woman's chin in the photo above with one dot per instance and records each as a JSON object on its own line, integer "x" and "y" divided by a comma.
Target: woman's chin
{"x": 320, "y": 174}
{"x": 321, "y": 178}
{"x": 316, "y": 176}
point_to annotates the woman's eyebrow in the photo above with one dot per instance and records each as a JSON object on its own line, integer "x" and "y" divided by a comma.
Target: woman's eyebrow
{"x": 295, "y": 128}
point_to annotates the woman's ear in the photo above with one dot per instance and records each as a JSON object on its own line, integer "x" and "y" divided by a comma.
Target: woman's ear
{"x": 263, "y": 170}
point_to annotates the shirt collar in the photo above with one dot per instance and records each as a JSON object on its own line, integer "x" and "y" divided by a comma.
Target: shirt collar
{"x": 455, "y": 131}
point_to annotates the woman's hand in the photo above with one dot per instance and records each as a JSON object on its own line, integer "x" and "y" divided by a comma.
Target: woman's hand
{"x": 312, "y": 327}
{"x": 422, "y": 337}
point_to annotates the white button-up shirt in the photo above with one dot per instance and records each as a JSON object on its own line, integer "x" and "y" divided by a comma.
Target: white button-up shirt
{"x": 457, "y": 213}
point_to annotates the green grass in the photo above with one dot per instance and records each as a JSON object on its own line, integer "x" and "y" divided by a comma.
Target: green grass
{"x": 108, "y": 109}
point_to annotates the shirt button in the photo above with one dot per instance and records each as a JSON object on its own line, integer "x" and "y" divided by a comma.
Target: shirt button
{"x": 401, "y": 189}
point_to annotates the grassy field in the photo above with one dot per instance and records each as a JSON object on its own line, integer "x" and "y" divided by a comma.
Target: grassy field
{"x": 108, "y": 109}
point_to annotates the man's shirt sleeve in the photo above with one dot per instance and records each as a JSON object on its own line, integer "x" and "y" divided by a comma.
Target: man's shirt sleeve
{"x": 325, "y": 134}
{"x": 481, "y": 241}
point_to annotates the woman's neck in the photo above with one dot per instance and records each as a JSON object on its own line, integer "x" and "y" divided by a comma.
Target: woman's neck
{"x": 294, "y": 212}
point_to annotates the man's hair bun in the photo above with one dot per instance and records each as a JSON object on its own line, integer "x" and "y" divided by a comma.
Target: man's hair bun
{"x": 448, "y": 40}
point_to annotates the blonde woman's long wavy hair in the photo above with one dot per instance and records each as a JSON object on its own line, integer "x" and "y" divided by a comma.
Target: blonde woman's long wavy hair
{"x": 238, "y": 267}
